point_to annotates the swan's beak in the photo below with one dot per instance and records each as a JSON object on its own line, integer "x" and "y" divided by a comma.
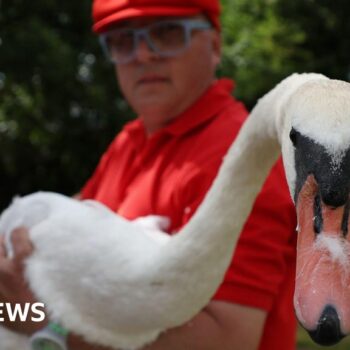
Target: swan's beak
{"x": 322, "y": 293}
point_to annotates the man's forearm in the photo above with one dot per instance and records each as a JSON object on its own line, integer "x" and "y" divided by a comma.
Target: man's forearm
{"x": 202, "y": 333}
{"x": 221, "y": 326}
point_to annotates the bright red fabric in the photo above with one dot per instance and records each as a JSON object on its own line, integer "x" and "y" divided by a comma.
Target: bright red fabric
{"x": 108, "y": 12}
{"x": 169, "y": 173}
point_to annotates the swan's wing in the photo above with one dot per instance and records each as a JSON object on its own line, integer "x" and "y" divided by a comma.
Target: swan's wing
{"x": 89, "y": 267}
{"x": 102, "y": 277}
{"x": 19, "y": 214}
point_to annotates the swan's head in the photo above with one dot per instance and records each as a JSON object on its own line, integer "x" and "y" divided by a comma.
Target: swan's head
{"x": 317, "y": 151}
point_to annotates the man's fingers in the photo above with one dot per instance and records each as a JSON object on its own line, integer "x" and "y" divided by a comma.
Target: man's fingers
{"x": 22, "y": 245}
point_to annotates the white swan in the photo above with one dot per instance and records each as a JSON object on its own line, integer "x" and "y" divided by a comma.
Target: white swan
{"x": 102, "y": 277}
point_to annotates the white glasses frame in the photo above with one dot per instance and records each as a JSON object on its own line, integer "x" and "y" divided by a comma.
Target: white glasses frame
{"x": 188, "y": 26}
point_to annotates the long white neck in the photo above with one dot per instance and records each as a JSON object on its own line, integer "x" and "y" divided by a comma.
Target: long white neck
{"x": 215, "y": 228}
{"x": 200, "y": 253}
{"x": 210, "y": 236}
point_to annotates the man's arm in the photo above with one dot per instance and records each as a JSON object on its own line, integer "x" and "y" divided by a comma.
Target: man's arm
{"x": 220, "y": 325}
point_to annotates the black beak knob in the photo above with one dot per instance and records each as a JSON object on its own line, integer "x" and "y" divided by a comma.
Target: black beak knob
{"x": 328, "y": 328}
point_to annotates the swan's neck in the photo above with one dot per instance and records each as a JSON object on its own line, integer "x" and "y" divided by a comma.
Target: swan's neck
{"x": 203, "y": 249}
{"x": 215, "y": 227}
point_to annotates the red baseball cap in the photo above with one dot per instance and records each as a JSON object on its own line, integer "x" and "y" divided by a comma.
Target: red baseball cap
{"x": 108, "y": 12}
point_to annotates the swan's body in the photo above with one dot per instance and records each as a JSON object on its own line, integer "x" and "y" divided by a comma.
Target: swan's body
{"x": 106, "y": 279}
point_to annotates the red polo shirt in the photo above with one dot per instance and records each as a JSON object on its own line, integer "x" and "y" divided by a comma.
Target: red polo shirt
{"x": 169, "y": 173}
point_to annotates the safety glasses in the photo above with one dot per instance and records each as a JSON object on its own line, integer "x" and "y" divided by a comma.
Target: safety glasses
{"x": 165, "y": 38}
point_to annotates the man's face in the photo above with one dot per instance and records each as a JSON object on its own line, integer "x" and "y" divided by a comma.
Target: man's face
{"x": 159, "y": 88}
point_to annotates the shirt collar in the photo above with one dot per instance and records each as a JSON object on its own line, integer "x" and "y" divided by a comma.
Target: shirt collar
{"x": 214, "y": 99}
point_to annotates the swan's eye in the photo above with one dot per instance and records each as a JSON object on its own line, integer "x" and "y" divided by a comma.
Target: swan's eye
{"x": 293, "y": 137}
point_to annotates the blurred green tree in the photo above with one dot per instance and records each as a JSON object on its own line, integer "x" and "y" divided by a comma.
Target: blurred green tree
{"x": 266, "y": 40}
{"x": 58, "y": 97}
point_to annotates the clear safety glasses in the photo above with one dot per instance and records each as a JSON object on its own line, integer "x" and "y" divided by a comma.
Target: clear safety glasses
{"x": 165, "y": 38}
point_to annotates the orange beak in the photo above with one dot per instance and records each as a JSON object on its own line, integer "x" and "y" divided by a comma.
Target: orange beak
{"x": 322, "y": 292}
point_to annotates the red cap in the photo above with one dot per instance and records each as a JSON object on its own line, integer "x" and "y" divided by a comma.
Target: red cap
{"x": 108, "y": 12}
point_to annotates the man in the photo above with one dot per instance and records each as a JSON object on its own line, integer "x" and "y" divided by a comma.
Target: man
{"x": 165, "y": 54}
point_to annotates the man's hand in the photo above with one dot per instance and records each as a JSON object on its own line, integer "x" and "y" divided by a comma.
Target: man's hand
{"x": 13, "y": 287}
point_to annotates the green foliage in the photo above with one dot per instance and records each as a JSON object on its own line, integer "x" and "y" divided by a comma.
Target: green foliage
{"x": 259, "y": 46}
{"x": 326, "y": 25}
{"x": 266, "y": 40}
{"x": 60, "y": 105}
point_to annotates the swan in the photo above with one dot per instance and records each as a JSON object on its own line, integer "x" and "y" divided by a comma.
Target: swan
{"x": 105, "y": 278}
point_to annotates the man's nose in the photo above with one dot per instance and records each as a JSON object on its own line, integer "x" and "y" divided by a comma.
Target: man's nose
{"x": 143, "y": 51}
